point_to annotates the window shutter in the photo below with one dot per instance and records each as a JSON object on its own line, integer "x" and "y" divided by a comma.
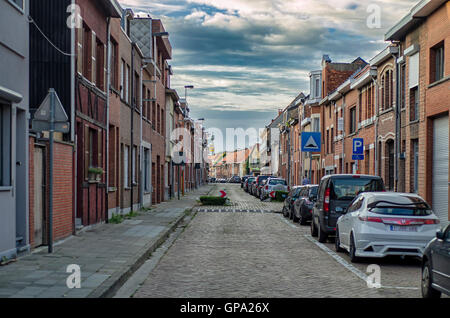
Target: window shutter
{"x": 80, "y": 32}
{"x": 86, "y": 151}
{"x": 414, "y": 70}
{"x": 94, "y": 60}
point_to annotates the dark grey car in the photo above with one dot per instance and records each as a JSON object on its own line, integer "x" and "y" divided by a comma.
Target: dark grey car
{"x": 436, "y": 266}
{"x": 304, "y": 205}
{"x": 335, "y": 194}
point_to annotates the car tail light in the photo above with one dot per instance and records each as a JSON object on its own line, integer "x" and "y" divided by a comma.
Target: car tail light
{"x": 326, "y": 203}
{"x": 267, "y": 187}
{"x": 289, "y": 188}
{"x": 431, "y": 221}
{"x": 371, "y": 219}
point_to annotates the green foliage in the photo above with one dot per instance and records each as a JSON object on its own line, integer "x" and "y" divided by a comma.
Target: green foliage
{"x": 96, "y": 171}
{"x": 280, "y": 196}
{"x": 210, "y": 200}
{"x": 119, "y": 218}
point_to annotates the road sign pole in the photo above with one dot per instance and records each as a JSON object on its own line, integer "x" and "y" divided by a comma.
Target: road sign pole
{"x": 310, "y": 168}
{"x": 50, "y": 204}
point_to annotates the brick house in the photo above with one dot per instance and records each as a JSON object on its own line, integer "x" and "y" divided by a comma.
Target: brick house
{"x": 423, "y": 37}
{"x": 333, "y": 76}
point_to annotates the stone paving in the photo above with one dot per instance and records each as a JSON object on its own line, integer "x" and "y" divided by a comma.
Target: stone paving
{"x": 107, "y": 255}
{"x": 244, "y": 255}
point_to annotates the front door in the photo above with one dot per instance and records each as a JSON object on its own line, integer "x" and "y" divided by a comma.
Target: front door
{"x": 39, "y": 196}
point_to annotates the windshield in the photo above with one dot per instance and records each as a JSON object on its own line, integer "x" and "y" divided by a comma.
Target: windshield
{"x": 348, "y": 189}
{"x": 261, "y": 179}
{"x": 277, "y": 182}
{"x": 313, "y": 191}
{"x": 250, "y": 180}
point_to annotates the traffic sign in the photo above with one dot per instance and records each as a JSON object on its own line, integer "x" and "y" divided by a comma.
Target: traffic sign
{"x": 311, "y": 142}
{"x": 358, "y": 149}
{"x": 43, "y": 112}
{"x": 223, "y": 194}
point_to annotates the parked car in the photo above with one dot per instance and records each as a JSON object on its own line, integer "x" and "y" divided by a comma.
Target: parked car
{"x": 259, "y": 183}
{"x": 335, "y": 194}
{"x": 289, "y": 202}
{"x": 248, "y": 183}
{"x": 253, "y": 187}
{"x": 386, "y": 223}
{"x": 302, "y": 209}
{"x": 243, "y": 181}
{"x": 271, "y": 186}
{"x": 436, "y": 266}
{"x": 234, "y": 179}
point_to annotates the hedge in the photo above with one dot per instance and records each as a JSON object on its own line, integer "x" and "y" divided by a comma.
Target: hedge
{"x": 207, "y": 200}
{"x": 279, "y": 196}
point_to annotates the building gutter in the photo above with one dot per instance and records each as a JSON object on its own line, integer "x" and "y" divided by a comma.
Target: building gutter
{"x": 108, "y": 99}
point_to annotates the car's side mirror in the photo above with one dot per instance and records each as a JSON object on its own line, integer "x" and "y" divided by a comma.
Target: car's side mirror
{"x": 440, "y": 235}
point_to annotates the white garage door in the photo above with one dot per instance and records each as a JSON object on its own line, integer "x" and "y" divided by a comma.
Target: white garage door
{"x": 440, "y": 168}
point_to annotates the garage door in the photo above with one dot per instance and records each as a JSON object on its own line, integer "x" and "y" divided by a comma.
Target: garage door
{"x": 440, "y": 168}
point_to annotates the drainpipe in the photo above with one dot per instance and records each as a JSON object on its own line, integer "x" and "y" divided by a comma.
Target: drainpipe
{"x": 397, "y": 121}
{"x": 107, "y": 89}
{"x": 377, "y": 120}
{"x": 132, "y": 124}
{"x": 141, "y": 148}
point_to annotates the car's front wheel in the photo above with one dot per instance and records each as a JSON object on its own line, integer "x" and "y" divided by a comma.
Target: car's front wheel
{"x": 427, "y": 290}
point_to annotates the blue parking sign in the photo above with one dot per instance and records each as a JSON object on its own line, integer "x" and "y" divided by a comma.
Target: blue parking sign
{"x": 358, "y": 149}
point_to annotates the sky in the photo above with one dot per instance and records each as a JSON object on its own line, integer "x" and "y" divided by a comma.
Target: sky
{"x": 249, "y": 58}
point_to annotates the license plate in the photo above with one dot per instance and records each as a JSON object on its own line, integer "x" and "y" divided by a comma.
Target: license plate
{"x": 403, "y": 228}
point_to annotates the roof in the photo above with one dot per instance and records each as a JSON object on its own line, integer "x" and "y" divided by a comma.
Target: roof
{"x": 411, "y": 20}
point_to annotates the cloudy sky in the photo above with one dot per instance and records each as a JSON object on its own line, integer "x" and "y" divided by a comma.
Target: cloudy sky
{"x": 249, "y": 58}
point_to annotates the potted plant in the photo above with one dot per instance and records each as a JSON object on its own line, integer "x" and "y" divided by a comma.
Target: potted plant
{"x": 95, "y": 174}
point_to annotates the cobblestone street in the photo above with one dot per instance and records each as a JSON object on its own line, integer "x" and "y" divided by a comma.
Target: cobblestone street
{"x": 251, "y": 254}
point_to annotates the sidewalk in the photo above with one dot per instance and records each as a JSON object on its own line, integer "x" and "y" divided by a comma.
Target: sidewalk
{"x": 107, "y": 255}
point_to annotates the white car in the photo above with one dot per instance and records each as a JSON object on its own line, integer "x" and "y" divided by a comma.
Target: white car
{"x": 271, "y": 186}
{"x": 378, "y": 224}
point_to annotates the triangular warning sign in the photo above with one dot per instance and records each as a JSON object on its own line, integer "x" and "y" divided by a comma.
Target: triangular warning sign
{"x": 311, "y": 144}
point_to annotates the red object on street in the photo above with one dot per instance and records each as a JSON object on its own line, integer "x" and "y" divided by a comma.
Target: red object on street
{"x": 223, "y": 194}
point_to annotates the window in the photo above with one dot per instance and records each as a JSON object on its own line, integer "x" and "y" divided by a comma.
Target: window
{"x": 415, "y": 153}
{"x": 316, "y": 125}
{"x": 403, "y": 86}
{"x": 437, "y": 63}
{"x": 332, "y": 140}
{"x": 126, "y": 155}
{"x": 133, "y": 160}
{"x": 352, "y": 120}
{"x": 114, "y": 65}
{"x": 127, "y": 84}
{"x": 122, "y": 79}
{"x": 317, "y": 87}
{"x": 414, "y": 104}
{"x": 147, "y": 170}
{"x": 5, "y": 145}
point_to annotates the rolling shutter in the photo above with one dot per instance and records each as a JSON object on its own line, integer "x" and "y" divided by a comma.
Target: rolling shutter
{"x": 440, "y": 168}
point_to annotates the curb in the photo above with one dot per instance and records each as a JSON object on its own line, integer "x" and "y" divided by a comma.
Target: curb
{"x": 118, "y": 279}
{"x": 113, "y": 284}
